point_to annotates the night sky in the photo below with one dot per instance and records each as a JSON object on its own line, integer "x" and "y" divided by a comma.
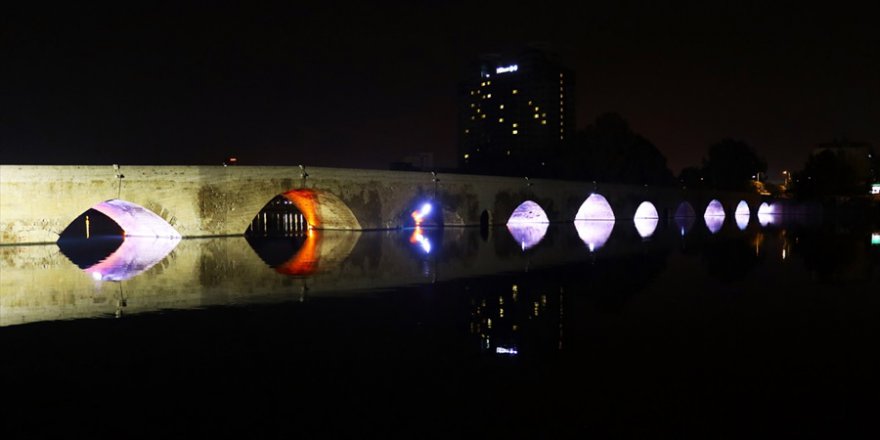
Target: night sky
{"x": 357, "y": 85}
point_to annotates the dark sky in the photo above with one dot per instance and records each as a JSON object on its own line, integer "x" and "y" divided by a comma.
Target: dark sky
{"x": 352, "y": 84}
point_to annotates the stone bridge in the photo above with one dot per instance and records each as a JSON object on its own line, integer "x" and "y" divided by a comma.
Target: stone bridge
{"x": 38, "y": 202}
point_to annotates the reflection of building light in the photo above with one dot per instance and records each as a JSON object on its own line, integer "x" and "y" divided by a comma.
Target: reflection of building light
{"x": 784, "y": 254}
{"x": 594, "y": 233}
{"x": 419, "y": 238}
{"x": 875, "y": 239}
{"x": 503, "y": 350}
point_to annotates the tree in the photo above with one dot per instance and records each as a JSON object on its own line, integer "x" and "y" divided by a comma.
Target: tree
{"x": 609, "y": 151}
{"x": 827, "y": 174}
{"x": 692, "y": 178}
{"x": 732, "y": 164}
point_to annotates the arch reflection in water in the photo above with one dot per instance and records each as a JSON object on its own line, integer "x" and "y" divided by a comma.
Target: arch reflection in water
{"x": 685, "y": 209}
{"x": 742, "y": 221}
{"x": 594, "y": 233}
{"x": 528, "y": 235}
{"x": 685, "y": 224}
{"x": 646, "y": 226}
{"x": 134, "y": 256}
{"x": 305, "y": 254}
{"x": 714, "y": 223}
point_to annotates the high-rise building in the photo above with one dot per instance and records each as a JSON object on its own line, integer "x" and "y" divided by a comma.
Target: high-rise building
{"x": 514, "y": 111}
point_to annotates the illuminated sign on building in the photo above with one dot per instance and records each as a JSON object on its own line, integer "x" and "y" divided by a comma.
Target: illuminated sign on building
{"x": 507, "y": 69}
{"x": 875, "y": 188}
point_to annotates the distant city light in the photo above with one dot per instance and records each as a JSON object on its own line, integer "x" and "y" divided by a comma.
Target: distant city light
{"x": 875, "y": 188}
{"x": 875, "y": 239}
{"x": 507, "y": 69}
{"x": 503, "y": 350}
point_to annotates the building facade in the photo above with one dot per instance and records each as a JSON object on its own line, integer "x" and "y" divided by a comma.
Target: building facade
{"x": 514, "y": 112}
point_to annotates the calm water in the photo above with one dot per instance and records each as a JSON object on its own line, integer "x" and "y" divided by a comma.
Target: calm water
{"x": 539, "y": 333}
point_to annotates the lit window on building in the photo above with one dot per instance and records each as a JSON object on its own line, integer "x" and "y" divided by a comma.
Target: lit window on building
{"x": 488, "y": 83}
{"x": 500, "y": 120}
{"x": 501, "y": 107}
{"x": 560, "y": 75}
{"x": 467, "y": 130}
{"x": 467, "y": 156}
{"x": 483, "y": 116}
{"x": 515, "y": 131}
{"x": 478, "y": 110}
{"x": 473, "y": 105}
{"x": 543, "y": 122}
{"x": 515, "y": 125}
{"x": 537, "y": 116}
{"x": 530, "y": 103}
{"x": 489, "y": 95}
{"x": 508, "y": 152}
{"x": 473, "y": 118}
{"x": 537, "y": 108}
{"x": 514, "y": 91}
{"x": 483, "y": 84}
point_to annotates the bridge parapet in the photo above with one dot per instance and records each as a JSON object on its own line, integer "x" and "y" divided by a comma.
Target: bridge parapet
{"x": 38, "y": 202}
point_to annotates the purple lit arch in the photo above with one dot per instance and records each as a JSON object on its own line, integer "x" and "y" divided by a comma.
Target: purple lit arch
{"x": 596, "y": 207}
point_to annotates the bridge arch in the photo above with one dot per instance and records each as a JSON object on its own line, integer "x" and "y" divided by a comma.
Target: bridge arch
{"x": 742, "y": 209}
{"x": 134, "y": 220}
{"x": 646, "y": 219}
{"x": 322, "y": 209}
{"x": 685, "y": 210}
{"x": 714, "y": 209}
{"x": 528, "y": 212}
{"x": 596, "y": 207}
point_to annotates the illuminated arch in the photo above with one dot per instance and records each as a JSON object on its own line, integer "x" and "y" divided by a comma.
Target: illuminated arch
{"x": 646, "y": 219}
{"x": 323, "y": 210}
{"x": 715, "y": 209}
{"x": 742, "y": 209}
{"x": 646, "y": 210}
{"x": 766, "y": 209}
{"x": 596, "y": 207}
{"x": 135, "y": 220}
{"x": 685, "y": 209}
{"x": 528, "y": 212}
